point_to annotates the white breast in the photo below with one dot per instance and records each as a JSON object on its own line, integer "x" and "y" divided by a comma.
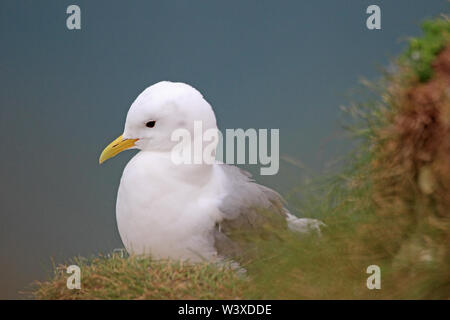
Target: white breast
{"x": 168, "y": 211}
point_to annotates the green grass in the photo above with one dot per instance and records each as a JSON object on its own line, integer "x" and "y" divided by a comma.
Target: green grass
{"x": 422, "y": 51}
{"x": 116, "y": 277}
{"x": 377, "y": 211}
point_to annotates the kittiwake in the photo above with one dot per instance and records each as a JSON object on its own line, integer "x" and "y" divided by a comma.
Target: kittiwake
{"x": 185, "y": 211}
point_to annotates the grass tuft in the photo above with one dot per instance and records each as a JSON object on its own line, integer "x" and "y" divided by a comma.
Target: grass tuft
{"x": 116, "y": 277}
{"x": 422, "y": 51}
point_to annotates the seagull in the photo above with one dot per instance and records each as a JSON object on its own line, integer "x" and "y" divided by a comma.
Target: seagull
{"x": 186, "y": 211}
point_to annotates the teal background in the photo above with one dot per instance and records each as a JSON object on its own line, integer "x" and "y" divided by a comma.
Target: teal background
{"x": 64, "y": 96}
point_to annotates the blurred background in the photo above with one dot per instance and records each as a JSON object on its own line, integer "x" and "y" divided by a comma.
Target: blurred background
{"x": 65, "y": 94}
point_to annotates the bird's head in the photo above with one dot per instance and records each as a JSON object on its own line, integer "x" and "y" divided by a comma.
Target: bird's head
{"x": 156, "y": 113}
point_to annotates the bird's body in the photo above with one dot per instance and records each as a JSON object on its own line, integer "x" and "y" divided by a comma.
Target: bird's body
{"x": 184, "y": 211}
{"x": 173, "y": 216}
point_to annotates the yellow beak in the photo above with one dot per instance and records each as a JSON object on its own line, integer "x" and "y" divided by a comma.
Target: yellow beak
{"x": 116, "y": 147}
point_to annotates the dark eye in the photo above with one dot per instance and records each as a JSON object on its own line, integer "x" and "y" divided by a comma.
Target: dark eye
{"x": 150, "y": 124}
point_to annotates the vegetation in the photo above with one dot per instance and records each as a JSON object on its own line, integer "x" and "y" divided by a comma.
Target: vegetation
{"x": 422, "y": 51}
{"x": 389, "y": 207}
{"x": 117, "y": 277}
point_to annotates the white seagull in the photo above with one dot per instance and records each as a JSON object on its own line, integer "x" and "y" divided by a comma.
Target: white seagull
{"x": 185, "y": 211}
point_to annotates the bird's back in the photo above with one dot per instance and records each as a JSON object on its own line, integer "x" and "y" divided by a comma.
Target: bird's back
{"x": 253, "y": 213}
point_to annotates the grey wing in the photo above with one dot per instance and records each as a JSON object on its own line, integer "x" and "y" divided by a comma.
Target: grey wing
{"x": 246, "y": 208}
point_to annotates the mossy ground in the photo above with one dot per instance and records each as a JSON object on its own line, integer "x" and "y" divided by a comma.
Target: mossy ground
{"x": 117, "y": 277}
{"x": 390, "y": 207}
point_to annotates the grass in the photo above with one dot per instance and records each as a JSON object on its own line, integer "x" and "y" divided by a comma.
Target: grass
{"x": 422, "y": 51}
{"x": 389, "y": 206}
{"x": 116, "y": 277}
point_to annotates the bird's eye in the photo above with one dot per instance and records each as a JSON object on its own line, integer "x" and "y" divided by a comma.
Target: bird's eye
{"x": 150, "y": 124}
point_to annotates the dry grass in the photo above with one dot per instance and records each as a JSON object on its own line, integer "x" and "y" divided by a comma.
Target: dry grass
{"x": 115, "y": 277}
